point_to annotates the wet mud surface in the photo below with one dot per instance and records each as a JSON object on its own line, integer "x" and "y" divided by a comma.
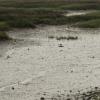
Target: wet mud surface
{"x": 34, "y": 66}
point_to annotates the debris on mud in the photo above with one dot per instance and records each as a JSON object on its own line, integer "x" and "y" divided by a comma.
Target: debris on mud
{"x": 60, "y": 45}
{"x": 72, "y": 37}
{"x": 92, "y": 57}
{"x": 28, "y": 49}
{"x": 64, "y": 37}
{"x": 12, "y": 88}
{"x": 51, "y": 37}
{"x": 42, "y": 98}
{"x": 91, "y": 95}
{"x": 8, "y": 57}
{"x": 67, "y": 38}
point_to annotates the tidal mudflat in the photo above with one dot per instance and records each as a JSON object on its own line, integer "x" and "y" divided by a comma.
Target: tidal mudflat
{"x": 35, "y": 67}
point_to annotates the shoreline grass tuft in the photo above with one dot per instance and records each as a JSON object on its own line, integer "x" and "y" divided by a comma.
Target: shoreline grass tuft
{"x": 4, "y": 36}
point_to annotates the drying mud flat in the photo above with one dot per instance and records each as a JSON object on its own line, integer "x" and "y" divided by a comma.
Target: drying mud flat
{"x": 36, "y": 66}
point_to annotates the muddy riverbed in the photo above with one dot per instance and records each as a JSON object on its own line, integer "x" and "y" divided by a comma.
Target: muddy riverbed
{"x": 36, "y": 65}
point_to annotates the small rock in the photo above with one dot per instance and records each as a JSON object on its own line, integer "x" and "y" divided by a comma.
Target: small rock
{"x": 12, "y": 88}
{"x": 72, "y": 37}
{"x": 60, "y": 45}
{"x": 71, "y": 71}
{"x": 42, "y": 98}
{"x": 68, "y": 98}
{"x": 93, "y": 57}
{"x": 8, "y": 57}
{"x": 96, "y": 88}
{"x": 70, "y": 91}
{"x": 28, "y": 49}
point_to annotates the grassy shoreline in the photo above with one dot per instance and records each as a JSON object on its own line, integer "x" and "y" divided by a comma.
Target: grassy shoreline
{"x": 25, "y": 14}
{"x": 29, "y": 14}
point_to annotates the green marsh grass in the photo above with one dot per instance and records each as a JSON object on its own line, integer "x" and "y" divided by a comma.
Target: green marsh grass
{"x": 4, "y": 36}
{"x": 29, "y": 13}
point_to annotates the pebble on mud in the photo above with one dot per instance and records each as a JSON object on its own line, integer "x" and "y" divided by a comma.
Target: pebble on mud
{"x": 72, "y": 37}
{"x": 96, "y": 88}
{"x": 60, "y": 45}
{"x": 68, "y": 98}
{"x": 12, "y": 88}
{"x": 8, "y": 57}
{"x": 93, "y": 57}
{"x": 72, "y": 71}
{"x": 28, "y": 49}
{"x": 42, "y": 98}
{"x": 70, "y": 91}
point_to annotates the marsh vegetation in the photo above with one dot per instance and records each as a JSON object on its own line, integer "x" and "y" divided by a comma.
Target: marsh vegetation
{"x": 21, "y": 14}
{"x": 29, "y": 14}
